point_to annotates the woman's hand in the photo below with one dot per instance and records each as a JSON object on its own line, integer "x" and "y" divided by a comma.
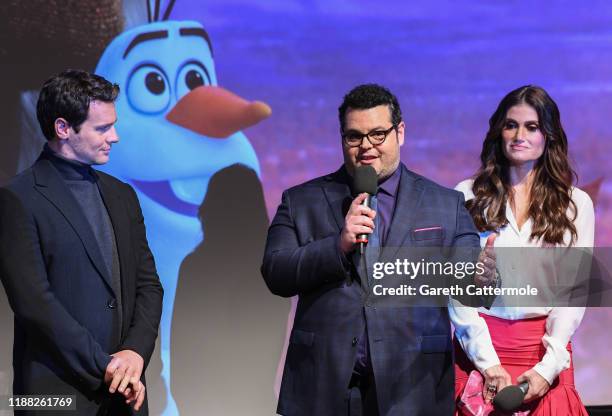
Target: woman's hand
{"x": 486, "y": 275}
{"x": 538, "y": 386}
{"x": 497, "y": 377}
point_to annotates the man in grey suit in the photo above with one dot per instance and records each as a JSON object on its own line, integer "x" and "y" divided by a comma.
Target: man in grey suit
{"x": 75, "y": 262}
{"x": 342, "y": 346}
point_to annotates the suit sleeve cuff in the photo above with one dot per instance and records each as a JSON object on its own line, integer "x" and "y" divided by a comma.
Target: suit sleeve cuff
{"x": 102, "y": 361}
{"x": 142, "y": 350}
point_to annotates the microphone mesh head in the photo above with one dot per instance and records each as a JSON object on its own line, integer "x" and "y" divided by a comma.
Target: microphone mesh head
{"x": 509, "y": 399}
{"x": 365, "y": 180}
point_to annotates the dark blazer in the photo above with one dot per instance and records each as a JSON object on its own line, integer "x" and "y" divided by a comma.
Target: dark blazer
{"x": 61, "y": 292}
{"x": 410, "y": 347}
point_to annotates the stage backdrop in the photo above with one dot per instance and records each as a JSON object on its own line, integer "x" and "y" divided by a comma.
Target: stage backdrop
{"x": 208, "y": 189}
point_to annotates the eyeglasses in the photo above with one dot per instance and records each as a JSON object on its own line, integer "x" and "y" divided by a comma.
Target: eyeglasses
{"x": 354, "y": 138}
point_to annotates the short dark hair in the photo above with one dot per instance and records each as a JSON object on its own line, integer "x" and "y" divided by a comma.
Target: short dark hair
{"x": 68, "y": 95}
{"x": 367, "y": 96}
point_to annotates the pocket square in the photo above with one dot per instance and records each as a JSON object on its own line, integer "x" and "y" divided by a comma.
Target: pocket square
{"x": 428, "y": 233}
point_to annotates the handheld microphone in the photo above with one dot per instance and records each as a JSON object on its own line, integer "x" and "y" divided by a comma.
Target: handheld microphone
{"x": 510, "y": 398}
{"x": 365, "y": 180}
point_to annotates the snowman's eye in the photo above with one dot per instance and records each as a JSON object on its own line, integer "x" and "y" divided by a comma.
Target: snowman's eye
{"x": 148, "y": 89}
{"x": 193, "y": 79}
{"x": 155, "y": 83}
{"x": 192, "y": 75}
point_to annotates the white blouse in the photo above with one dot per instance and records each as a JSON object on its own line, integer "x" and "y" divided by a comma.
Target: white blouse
{"x": 471, "y": 330}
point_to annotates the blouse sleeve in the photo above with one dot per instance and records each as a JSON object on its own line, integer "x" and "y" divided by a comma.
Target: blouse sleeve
{"x": 562, "y": 322}
{"x": 473, "y": 335}
{"x": 471, "y": 330}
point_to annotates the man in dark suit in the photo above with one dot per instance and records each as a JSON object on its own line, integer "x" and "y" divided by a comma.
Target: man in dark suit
{"x": 75, "y": 262}
{"x": 398, "y": 360}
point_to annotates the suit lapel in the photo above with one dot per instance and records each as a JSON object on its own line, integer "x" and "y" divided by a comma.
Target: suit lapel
{"x": 49, "y": 183}
{"x": 408, "y": 199}
{"x": 338, "y": 194}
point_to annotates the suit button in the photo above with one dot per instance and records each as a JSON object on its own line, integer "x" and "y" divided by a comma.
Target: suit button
{"x": 354, "y": 341}
{"x": 111, "y": 303}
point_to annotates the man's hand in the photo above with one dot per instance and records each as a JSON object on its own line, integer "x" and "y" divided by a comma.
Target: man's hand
{"x": 358, "y": 220}
{"x": 495, "y": 376}
{"x": 538, "y": 386}
{"x": 136, "y": 396}
{"x": 124, "y": 369}
{"x": 487, "y": 258}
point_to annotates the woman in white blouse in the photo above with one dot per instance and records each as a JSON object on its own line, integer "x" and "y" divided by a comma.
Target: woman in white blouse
{"x": 523, "y": 193}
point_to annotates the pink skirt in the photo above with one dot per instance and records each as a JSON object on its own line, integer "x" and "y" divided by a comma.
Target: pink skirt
{"x": 518, "y": 344}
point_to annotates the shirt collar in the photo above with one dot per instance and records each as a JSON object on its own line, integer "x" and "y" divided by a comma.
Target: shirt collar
{"x": 390, "y": 185}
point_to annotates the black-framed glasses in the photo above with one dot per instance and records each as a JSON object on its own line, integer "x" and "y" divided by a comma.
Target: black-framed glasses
{"x": 354, "y": 138}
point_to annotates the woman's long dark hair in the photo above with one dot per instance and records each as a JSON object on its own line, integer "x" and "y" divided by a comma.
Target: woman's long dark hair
{"x": 550, "y": 194}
